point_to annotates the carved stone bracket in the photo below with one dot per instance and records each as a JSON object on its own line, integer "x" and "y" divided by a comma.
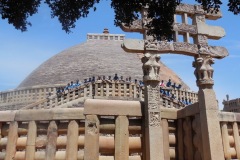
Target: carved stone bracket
{"x": 203, "y": 69}
{"x": 151, "y": 67}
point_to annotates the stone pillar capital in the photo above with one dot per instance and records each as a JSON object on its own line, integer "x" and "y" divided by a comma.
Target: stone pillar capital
{"x": 151, "y": 68}
{"x": 203, "y": 69}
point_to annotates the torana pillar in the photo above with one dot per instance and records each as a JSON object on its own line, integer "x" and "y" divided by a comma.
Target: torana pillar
{"x": 211, "y": 133}
{"x": 153, "y": 128}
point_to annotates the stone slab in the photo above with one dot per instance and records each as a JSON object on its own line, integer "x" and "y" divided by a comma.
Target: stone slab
{"x": 112, "y": 107}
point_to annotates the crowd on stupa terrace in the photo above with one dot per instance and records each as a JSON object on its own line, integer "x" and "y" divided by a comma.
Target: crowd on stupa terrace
{"x": 165, "y": 88}
{"x": 70, "y": 86}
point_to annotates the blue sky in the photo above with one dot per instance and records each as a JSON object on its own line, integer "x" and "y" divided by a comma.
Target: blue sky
{"x": 22, "y": 52}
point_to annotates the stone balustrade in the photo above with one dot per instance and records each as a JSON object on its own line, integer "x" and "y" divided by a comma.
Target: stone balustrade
{"x": 66, "y": 133}
{"x": 112, "y": 132}
{"x": 108, "y": 129}
{"x": 103, "y": 90}
{"x": 230, "y": 124}
{"x": 45, "y": 97}
{"x": 24, "y": 96}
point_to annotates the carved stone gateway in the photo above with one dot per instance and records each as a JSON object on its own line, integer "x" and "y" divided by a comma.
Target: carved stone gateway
{"x": 195, "y": 44}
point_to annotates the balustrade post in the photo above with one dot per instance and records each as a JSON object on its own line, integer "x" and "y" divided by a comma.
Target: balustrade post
{"x": 101, "y": 90}
{"x": 113, "y": 89}
{"x": 51, "y": 146}
{"x": 119, "y": 90}
{"x": 72, "y": 141}
{"x": 12, "y": 140}
{"x": 121, "y": 138}
{"x": 130, "y": 90}
{"x": 134, "y": 91}
{"x": 68, "y": 96}
{"x": 91, "y": 90}
{"x": 236, "y": 138}
{"x": 140, "y": 93}
{"x": 125, "y": 89}
{"x": 31, "y": 141}
{"x": 107, "y": 90}
{"x": 91, "y": 148}
{"x": 74, "y": 94}
{"x": 85, "y": 91}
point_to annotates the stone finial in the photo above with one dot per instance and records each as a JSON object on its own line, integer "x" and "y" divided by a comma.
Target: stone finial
{"x": 204, "y": 70}
{"x": 151, "y": 67}
{"x": 105, "y": 31}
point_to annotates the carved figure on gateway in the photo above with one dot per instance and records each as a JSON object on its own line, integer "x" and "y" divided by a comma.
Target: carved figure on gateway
{"x": 204, "y": 70}
{"x": 151, "y": 67}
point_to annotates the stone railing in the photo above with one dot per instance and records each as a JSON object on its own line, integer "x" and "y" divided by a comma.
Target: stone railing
{"x": 113, "y": 132}
{"x": 108, "y": 129}
{"x": 24, "y": 96}
{"x": 186, "y": 135}
{"x": 45, "y": 97}
{"x": 103, "y": 90}
{"x": 230, "y": 124}
{"x": 103, "y": 129}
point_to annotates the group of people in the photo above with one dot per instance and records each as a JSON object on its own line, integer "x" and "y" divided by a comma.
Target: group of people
{"x": 68, "y": 87}
{"x": 165, "y": 89}
{"x": 185, "y": 101}
{"x": 170, "y": 84}
{"x": 111, "y": 79}
{"x": 167, "y": 92}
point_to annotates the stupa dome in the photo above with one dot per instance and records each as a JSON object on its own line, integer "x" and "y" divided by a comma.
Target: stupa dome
{"x": 100, "y": 55}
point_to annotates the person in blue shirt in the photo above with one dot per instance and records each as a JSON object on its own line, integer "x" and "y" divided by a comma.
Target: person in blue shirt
{"x": 90, "y": 79}
{"x": 67, "y": 87}
{"x": 135, "y": 81}
{"x": 173, "y": 97}
{"x": 168, "y": 93}
{"x": 59, "y": 92}
{"x": 141, "y": 83}
{"x": 189, "y": 101}
{"x": 130, "y": 79}
{"x": 183, "y": 101}
{"x": 169, "y": 83}
{"x": 77, "y": 84}
{"x": 179, "y": 86}
{"x": 174, "y": 85}
{"x": 93, "y": 79}
{"x": 186, "y": 101}
{"x": 162, "y": 91}
{"x": 71, "y": 85}
{"x": 115, "y": 78}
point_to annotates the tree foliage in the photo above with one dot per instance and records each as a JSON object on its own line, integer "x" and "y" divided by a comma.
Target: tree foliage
{"x": 126, "y": 11}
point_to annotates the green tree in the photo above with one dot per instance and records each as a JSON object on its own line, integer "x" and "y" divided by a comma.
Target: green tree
{"x": 69, "y": 11}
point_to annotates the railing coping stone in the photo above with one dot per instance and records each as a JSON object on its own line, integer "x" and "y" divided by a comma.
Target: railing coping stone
{"x": 42, "y": 114}
{"x": 117, "y": 107}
